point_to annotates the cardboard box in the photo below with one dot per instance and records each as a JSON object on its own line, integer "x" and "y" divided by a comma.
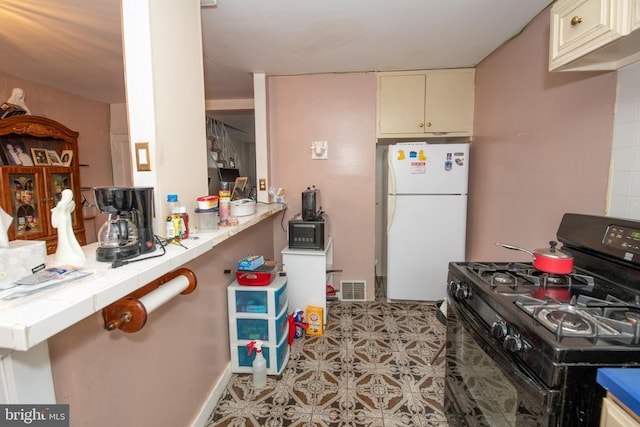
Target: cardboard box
{"x": 314, "y": 320}
{"x": 250, "y": 262}
{"x": 21, "y": 258}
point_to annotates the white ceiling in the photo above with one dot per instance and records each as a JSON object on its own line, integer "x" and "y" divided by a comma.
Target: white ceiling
{"x": 75, "y": 45}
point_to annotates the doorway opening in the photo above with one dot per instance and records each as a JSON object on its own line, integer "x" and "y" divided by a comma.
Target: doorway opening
{"x": 231, "y": 146}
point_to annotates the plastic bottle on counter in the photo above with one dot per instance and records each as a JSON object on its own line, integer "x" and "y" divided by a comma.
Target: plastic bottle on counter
{"x": 172, "y": 204}
{"x": 184, "y": 222}
{"x": 259, "y": 365}
{"x": 224, "y": 205}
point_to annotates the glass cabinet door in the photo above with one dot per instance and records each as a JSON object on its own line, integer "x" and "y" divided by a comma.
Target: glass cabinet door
{"x": 30, "y": 218}
{"x": 59, "y": 179}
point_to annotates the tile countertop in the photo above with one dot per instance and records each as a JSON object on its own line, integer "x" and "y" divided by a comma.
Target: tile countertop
{"x": 624, "y": 384}
{"x": 29, "y": 320}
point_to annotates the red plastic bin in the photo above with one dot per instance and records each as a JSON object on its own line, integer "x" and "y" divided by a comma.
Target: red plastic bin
{"x": 261, "y": 276}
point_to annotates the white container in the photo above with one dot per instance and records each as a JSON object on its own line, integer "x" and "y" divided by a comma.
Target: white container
{"x": 252, "y": 310}
{"x": 207, "y": 202}
{"x": 20, "y": 259}
{"x": 207, "y": 219}
{"x": 260, "y": 301}
{"x": 258, "y": 327}
{"x": 243, "y": 207}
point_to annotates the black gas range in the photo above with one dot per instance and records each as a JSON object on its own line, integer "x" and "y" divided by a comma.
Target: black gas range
{"x": 524, "y": 346}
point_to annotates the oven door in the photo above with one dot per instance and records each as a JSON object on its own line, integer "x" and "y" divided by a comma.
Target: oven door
{"x": 484, "y": 384}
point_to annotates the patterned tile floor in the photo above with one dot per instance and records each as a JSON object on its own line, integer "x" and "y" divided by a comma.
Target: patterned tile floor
{"x": 378, "y": 364}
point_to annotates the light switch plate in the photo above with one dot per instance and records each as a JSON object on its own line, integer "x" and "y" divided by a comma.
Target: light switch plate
{"x": 143, "y": 159}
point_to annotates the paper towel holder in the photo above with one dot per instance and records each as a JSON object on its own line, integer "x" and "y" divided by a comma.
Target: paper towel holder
{"x": 129, "y": 313}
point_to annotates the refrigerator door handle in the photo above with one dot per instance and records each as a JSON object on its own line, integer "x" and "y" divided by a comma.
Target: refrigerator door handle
{"x": 391, "y": 172}
{"x": 391, "y": 191}
{"x": 392, "y": 212}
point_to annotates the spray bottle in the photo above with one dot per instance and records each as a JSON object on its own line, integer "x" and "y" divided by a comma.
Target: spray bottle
{"x": 259, "y": 365}
{"x": 299, "y": 323}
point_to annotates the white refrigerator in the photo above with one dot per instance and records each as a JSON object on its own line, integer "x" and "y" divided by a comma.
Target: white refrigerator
{"x": 426, "y": 217}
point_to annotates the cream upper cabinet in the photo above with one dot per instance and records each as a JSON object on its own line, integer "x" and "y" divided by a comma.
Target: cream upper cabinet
{"x": 594, "y": 34}
{"x": 425, "y": 104}
{"x": 634, "y": 15}
{"x": 613, "y": 415}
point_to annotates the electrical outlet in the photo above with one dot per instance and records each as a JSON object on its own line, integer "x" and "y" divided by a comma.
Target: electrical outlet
{"x": 263, "y": 184}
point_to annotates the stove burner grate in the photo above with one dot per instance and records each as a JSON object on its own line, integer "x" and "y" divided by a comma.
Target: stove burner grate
{"x": 517, "y": 278}
{"x": 564, "y": 319}
{"x": 587, "y": 317}
{"x": 502, "y": 278}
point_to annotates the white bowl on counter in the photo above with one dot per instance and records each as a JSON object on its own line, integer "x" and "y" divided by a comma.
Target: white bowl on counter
{"x": 243, "y": 207}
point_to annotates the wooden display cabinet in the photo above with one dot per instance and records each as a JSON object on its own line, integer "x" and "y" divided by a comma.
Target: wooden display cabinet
{"x": 30, "y": 192}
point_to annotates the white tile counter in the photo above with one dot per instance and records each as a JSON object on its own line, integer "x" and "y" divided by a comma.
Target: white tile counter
{"x": 27, "y": 321}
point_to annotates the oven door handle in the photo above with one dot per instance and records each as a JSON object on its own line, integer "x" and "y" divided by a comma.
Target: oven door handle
{"x": 509, "y": 365}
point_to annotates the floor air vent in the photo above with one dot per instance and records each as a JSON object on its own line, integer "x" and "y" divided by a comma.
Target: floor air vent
{"x": 353, "y": 290}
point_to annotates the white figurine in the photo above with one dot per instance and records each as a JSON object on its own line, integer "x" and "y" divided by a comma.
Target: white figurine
{"x": 69, "y": 250}
{"x": 5, "y": 223}
{"x": 17, "y": 98}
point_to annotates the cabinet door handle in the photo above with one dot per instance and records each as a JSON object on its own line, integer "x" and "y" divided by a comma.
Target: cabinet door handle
{"x": 421, "y": 125}
{"x": 429, "y": 124}
{"x": 576, "y": 20}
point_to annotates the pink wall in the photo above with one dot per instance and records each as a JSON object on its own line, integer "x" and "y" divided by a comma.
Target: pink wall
{"x": 89, "y": 118}
{"x": 340, "y": 109}
{"x": 161, "y": 375}
{"x": 541, "y": 148}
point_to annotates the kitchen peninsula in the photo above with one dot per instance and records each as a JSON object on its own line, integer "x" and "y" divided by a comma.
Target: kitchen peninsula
{"x": 27, "y": 322}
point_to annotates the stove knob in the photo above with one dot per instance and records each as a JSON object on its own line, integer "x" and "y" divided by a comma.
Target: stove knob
{"x": 499, "y": 329}
{"x": 451, "y": 289}
{"x": 459, "y": 291}
{"x": 463, "y": 292}
{"x": 512, "y": 343}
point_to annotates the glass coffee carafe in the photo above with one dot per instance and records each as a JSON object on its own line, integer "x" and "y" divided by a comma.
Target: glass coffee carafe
{"x": 118, "y": 238}
{"x": 128, "y": 232}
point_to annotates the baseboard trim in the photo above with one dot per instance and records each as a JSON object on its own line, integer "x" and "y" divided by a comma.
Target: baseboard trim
{"x": 211, "y": 402}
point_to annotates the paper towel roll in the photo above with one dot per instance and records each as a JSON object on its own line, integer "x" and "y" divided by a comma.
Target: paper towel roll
{"x": 129, "y": 314}
{"x": 164, "y": 293}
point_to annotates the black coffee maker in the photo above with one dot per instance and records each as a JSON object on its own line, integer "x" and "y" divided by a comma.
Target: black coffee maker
{"x": 128, "y": 232}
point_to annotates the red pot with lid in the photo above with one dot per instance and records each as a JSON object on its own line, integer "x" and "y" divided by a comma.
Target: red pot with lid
{"x": 549, "y": 260}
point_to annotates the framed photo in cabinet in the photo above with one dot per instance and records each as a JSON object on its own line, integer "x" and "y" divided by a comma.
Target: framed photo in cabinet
{"x": 40, "y": 157}
{"x": 66, "y": 157}
{"x": 55, "y": 159}
{"x": 16, "y": 153}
